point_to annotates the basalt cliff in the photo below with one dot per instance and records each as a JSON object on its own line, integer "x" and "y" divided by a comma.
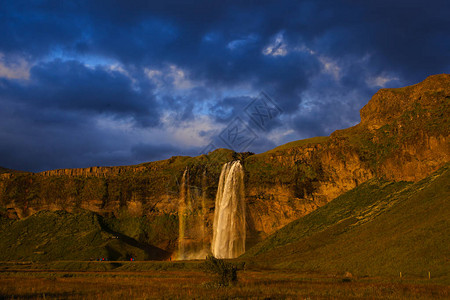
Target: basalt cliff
{"x": 403, "y": 136}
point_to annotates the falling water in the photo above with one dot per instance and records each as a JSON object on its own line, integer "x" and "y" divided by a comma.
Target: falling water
{"x": 192, "y": 239}
{"x": 203, "y": 214}
{"x": 229, "y": 217}
{"x": 183, "y": 206}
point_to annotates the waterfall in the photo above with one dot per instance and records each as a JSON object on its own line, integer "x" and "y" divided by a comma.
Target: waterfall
{"x": 203, "y": 214}
{"x": 229, "y": 216}
{"x": 183, "y": 205}
{"x": 192, "y": 238}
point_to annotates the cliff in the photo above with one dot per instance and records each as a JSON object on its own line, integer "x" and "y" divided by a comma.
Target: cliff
{"x": 376, "y": 229}
{"x": 403, "y": 136}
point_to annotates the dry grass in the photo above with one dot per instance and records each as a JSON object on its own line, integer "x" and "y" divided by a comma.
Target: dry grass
{"x": 24, "y": 284}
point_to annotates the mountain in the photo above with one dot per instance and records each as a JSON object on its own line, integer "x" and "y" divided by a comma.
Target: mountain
{"x": 379, "y": 228}
{"x": 403, "y": 136}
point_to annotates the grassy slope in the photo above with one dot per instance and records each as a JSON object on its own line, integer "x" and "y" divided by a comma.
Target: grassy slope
{"x": 67, "y": 236}
{"x": 299, "y": 143}
{"x": 379, "y": 228}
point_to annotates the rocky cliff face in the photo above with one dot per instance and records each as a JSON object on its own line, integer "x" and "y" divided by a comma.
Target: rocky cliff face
{"x": 403, "y": 135}
{"x": 416, "y": 120}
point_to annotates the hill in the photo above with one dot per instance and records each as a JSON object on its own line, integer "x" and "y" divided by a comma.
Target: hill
{"x": 59, "y": 235}
{"x": 378, "y": 228}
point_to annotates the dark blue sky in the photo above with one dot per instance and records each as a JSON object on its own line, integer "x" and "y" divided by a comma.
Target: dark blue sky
{"x": 95, "y": 82}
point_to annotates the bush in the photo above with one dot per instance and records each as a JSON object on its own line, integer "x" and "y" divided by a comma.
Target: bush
{"x": 226, "y": 272}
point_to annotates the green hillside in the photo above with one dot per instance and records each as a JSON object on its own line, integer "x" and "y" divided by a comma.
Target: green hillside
{"x": 379, "y": 228}
{"x": 60, "y": 235}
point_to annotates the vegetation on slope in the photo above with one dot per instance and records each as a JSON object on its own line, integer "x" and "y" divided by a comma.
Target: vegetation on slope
{"x": 60, "y": 235}
{"x": 5, "y": 170}
{"x": 159, "y": 230}
{"x": 379, "y": 228}
{"x": 297, "y": 144}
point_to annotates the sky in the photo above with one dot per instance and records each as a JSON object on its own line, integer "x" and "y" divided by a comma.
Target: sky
{"x": 102, "y": 83}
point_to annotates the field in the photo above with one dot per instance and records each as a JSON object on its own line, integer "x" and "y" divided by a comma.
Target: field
{"x": 187, "y": 280}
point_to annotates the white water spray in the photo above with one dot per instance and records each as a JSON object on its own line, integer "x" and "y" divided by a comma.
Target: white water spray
{"x": 229, "y": 216}
{"x": 183, "y": 208}
{"x": 192, "y": 242}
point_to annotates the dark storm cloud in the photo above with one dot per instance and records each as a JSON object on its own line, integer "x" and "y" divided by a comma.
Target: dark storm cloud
{"x": 320, "y": 60}
{"x": 229, "y": 107}
{"x": 146, "y": 152}
{"x": 71, "y": 86}
{"x": 39, "y": 140}
{"x": 51, "y": 119}
{"x": 137, "y": 31}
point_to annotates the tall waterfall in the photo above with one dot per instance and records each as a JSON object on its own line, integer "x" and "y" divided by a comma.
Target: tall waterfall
{"x": 229, "y": 217}
{"x": 192, "y": 239}
{"x": 183, "y": 208}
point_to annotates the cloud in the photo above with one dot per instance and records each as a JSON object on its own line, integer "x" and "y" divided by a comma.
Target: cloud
{"x": 16, "y": 68}
{"x": 73, "y": 86}
{"x": 149, "y": 152}
{"x": 277, "y": 47}
{"x": 190, "y": 133}
{"x": 381, "y": 80}
{"x": 170, "y": 77}
{"x": 100, "y": 82}
{"x": 242, "y": 42}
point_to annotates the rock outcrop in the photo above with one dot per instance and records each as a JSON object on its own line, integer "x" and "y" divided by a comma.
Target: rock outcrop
{"x": 403, "y": 136}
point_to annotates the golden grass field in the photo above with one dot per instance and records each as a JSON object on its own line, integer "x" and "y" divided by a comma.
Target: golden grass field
{"x": 173, "y": 284}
